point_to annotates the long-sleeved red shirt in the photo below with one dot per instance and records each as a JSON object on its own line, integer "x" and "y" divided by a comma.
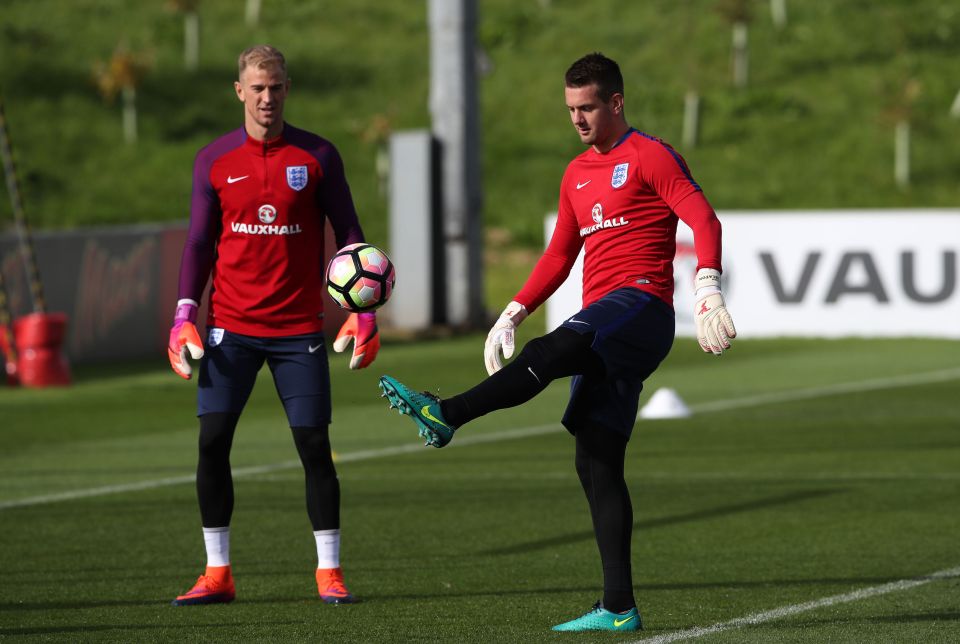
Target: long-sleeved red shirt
{"x": 257, "y": 218}
{"x": 622, "y": 207}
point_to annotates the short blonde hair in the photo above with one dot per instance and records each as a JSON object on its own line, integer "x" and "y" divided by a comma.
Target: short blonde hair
{"x": 261, "y": 56}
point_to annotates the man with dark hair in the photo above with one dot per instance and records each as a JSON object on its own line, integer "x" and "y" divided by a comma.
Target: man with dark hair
{"x": 620, "y": 199}
{"x": 596, "y": 69}
{"x": 261, "y": 195}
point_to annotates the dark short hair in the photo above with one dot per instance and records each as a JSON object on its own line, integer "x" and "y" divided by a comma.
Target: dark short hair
{"x": 596, "y": 69}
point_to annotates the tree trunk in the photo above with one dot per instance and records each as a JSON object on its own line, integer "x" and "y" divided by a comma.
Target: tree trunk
{"x": 191, "y": 40}
{"x": 130, "y": 115}
{"x": 901, "y": 163}
{"x": 778, "y": 12}
{"x": 691, "y": 118}
{"x": 253, "y": 13}
{"x": 740, "y": 54}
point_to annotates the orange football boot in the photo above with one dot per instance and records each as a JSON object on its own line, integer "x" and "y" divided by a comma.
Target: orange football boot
{"x": 331, "y": 586}
{"x": 215, "y": 586}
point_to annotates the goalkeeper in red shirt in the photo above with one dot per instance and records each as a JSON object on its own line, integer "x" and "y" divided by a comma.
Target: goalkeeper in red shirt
{"x": 261, "y": 196}
{"x": 619, "y": 200}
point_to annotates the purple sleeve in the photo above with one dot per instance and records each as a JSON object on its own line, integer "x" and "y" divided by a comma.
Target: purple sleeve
{"x": 200, "y": 246}
{"x": 334, "y": 198}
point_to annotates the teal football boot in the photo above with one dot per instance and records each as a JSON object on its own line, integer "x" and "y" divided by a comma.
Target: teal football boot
{"x": 423, "y": 408}
{"x": 599, "y": 618}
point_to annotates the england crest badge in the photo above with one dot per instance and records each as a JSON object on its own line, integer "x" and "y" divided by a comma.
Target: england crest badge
{"x": 215, "y": 337}
{"x": 297, "y": 177}
{"x": 619, "y": 176}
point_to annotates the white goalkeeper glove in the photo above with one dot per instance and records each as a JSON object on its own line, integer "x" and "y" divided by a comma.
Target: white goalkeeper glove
{"x": 714, "y": 324}
{"x": 501, "y": 337}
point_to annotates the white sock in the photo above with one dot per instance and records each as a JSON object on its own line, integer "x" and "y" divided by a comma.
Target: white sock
{"x": 328, "y": 548}
{"x": 217, "y": 542}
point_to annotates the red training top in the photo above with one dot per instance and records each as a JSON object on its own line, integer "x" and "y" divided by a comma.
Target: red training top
{"x": 257, "y": 220}
{"x": 622, "y": 207}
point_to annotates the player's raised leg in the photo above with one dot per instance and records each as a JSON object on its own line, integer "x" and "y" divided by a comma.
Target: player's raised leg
{"x": 558, "y": 354}
{"x": 422, "y": 407}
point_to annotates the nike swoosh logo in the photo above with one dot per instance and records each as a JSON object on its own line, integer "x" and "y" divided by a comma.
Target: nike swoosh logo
{"x": 580, "y": 185}
{"x": 235, "y": 179}
{"x": 575, "y": 321}
{"x": 425, "y": 412}
{"x": 314, "y": 349}
{"x": 617, "y": 623}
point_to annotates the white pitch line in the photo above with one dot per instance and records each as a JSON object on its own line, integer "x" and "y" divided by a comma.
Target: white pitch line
{"x": 244, "y": 472}
{"x": 794, "y": 609}
{"x": 873, "y": 384}
{"x": 510, "y": 434}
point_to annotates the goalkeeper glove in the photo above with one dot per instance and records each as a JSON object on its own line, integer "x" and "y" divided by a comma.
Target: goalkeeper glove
{"x": 501, "y": 336}
{"x": 714, "y": 324}
{"x": 184, "y": 338}
{"x": 362, "y": 329}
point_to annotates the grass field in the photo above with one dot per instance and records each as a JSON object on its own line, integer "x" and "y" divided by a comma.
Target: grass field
{"x": 810, "y": 470}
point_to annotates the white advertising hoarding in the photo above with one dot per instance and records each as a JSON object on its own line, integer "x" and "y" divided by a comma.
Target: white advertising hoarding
{"x": 868, "y": 273}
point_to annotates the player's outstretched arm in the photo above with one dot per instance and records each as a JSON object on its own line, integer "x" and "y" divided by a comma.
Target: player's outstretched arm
{"x": 361, "y": 328}
{"x": 501, "y": 337}
{"x": 714, "y": 324}
{"x": 184, "y": 338}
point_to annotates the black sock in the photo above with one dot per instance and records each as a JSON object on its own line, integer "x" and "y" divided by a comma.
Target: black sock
{"x": 599, "y": 461}
{"x": 214, "y": 479}
{"x": 320, "y": 476}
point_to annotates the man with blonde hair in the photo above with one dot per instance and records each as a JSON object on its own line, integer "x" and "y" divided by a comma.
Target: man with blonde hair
{"x": 261, "y": 196}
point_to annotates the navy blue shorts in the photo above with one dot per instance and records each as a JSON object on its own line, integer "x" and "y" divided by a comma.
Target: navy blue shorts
{"x": 633, "y": 334}
{"x": 298, "y": 363}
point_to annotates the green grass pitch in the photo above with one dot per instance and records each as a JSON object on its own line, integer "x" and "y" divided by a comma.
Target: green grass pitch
{"x": 803, "y": 487}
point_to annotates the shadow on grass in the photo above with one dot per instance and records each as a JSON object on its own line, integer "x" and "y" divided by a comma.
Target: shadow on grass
{"x": 592, "y": 588}
{"x": 893, "y": 619}
{"x": 711, "y": 513}
{"x": 100, "y": 628}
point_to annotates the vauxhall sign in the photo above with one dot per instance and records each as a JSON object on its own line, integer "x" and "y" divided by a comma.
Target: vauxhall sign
{"x": 867, "y": 273}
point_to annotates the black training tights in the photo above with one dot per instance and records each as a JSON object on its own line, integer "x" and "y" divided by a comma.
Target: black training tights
{"x": 600, "y": 451}
{"x": 599, "y": 461}
{"x": 558, "y": 354}
{"x": 215, "y": 483}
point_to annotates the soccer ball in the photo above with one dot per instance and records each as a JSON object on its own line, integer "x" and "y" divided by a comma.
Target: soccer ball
{"x": 360, "y": 277}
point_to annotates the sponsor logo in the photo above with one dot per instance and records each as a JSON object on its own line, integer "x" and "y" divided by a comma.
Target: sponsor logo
{"x": 616, "y": 222}
{"x": 619, "y": 176}
{"x": 617, "y": 623}
{"x": 215, "y": 337}
{"x": 267, "y": 213}
{"x": 576, "y": 321}
{"x": 597, "y": 213}
{"x": 580, "y": 185}
{"x": 313, "y": 349}
{"x": 297, "y": 177}
{"x": 858, "y": 274}
{"x": 235, "y": 179}
{"x": 262, "y": 229}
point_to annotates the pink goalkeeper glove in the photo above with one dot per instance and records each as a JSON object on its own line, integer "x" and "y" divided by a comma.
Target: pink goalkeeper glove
{"x": 184, "y": 338}
{"x": 362, "y": 329}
